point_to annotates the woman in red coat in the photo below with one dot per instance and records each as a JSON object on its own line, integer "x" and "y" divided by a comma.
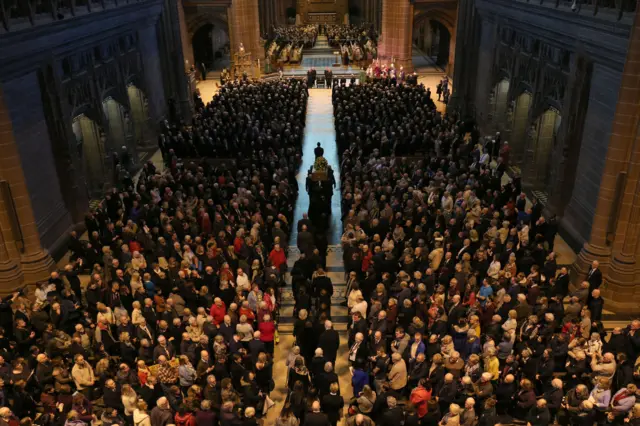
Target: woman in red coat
{"x": 277, "y": 257}
{"x": 420, "y": 396}
{"x": 218, "y": 311}
{"x": 267, "y": 333}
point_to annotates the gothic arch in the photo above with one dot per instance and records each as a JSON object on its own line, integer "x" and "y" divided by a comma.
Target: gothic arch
{"x": 447, "y": 18}
{"x": 197, "y": 21}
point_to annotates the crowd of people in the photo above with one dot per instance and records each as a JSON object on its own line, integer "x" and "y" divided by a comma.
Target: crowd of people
{"x": 359, "y": 33}
{"x": 358, "y": 44}
{"x": 389, "y": 117}
{"x": 459, "y": 313}
{"x": 305, "y": 34}
{"x": 177, "y": 322}
{"x": 288, "y": 42}
{"x": 260, "y": 118}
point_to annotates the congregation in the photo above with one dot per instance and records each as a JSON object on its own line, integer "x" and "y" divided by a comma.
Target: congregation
{"x": 177, "y": 324}
{"x": 458, "y": 311}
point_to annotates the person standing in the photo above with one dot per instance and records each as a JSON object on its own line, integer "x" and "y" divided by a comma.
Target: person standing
{"x": 332, "y": 404}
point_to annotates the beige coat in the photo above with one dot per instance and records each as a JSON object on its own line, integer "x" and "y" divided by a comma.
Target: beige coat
{"x": 452, "y": 421}
{"x": 130, "y": 404}
{"x": 435, "y": 258}
{"x": 398, "y": 375}
{"x": 83, "y": 377}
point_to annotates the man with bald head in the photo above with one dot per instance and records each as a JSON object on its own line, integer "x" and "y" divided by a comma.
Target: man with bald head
{"x": 316, "y": 417}
{"x": 603, "y": 365}
{"x": 505, "y": 391}
{"x": 539, "y": 414}
{"x": 360, "y": 420}
{"x": 447, "y": 393}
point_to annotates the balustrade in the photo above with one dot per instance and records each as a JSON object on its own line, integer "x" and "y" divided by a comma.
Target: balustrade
{"x": 21, "y": 14}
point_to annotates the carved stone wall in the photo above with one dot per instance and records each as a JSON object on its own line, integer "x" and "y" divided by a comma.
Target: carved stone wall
{"x": 53, "y": 72}
{"x": 568, "y": 62}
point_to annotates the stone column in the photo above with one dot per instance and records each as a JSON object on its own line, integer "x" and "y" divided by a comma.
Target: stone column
{"x": 244, "y": 23}
{"x": 614, "y": 233}
{"x": 153, "y": 80}
{"x": 35, "y": 261}
{"x": 397, "y": 27}
{"x": 179, "y": 30}
{"x": 272, "y": 15}
{"x": 11, "y": 276}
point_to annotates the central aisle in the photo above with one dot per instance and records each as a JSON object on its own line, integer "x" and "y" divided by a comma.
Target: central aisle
{"x": 319, "y": 128}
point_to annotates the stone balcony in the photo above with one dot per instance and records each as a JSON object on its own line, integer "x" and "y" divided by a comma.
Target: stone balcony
{"x": 17, "y": 15}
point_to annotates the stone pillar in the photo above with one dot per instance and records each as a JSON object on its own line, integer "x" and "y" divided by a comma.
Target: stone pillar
{"x": 35, "y": 261}
{"x": 179, "y": 33}
{"x": 244, "y": 24}
{"x": 11, "y": 276}
{"x": 614, "y": 233}
{"x": 153, "y": 79}
{"x": 428, "y": 37}
{"x": 397, "y": 27}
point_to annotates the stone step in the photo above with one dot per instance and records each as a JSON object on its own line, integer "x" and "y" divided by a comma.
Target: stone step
{"x": 339, "y": 295}
{"x": 337, "y": 311}
{"x": 287, "y": 328}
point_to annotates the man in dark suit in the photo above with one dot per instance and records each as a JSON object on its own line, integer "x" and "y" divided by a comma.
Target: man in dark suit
{"x": 595, "y": 305}
{"x": 332, "y": 404}
{"x": 329, "y": 342}
{"x": 321, "y": 282}
{"x": 447, "y": 393}
{"x": 456, "y": 311}
{"x": 561, "y": 287}
{"x": 358, "y": 351}
{"x": 256, "y": 346}
{"x": 315, "y": 417}
{"x": 594, "y": 277}
{"x": 304, "y": 221}
{"x": 144, "y": 332}
{"x": 394, "y": 415}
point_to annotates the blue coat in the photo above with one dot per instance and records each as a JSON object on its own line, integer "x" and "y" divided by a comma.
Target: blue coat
{"x": 359, "y": 379}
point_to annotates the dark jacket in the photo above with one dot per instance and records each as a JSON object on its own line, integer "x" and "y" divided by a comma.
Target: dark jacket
{"x": 315, "y": 419}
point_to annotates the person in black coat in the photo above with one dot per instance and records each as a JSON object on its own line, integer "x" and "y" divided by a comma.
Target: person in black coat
{"x": 112, "y": 395}
{"x": 561, "y": 284}
{"x": 594, "y": 276}
{"x": 554, "y": 397}
{"x": 433, "y": 416}
{"x": 546, "y": 368}
{"x": 329, "y": 342}
{"x": 504, "y": 393}
{"x": 394, "y": 415}
{"x": 596, "y": 304}
{"x": 539, "y": 414}
{"x": 332, "y": 404}
{"x": 316, "y": 417}
{"x": 256, "y": 346}
{"x": 447, "y": 393}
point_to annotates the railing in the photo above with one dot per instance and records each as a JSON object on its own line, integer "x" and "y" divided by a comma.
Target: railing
{"x": 20, "y": 14}
{"x": 615, "y": 8}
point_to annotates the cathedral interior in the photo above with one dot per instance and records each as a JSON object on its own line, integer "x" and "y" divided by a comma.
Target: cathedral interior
{"x": 87, "y": 88}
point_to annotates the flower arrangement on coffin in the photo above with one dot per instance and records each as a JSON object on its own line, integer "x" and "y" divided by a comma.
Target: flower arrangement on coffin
{"x": 320, "y": 165}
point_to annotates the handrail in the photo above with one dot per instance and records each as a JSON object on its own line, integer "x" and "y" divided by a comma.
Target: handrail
{"x": 18, "y": 14}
